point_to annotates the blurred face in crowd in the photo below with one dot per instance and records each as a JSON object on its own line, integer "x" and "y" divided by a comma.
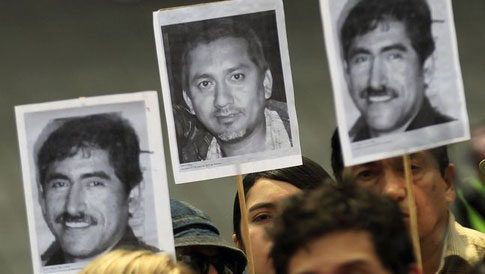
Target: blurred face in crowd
{"x": 385, "y": 77}
{"x": 262, "y": 201}
{"x": 433, "y": 191}
{"x": 85, "y": 204}
{"x": 199, "y": 258}
{"x": 340, "y": 252}
{"x": 227, "y": 91}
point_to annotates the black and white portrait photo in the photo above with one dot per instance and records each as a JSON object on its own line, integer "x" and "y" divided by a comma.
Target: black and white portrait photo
{"x": 395, "y": 75}
{"x": 89, "y": 179}
{"x": 229, "y": 97}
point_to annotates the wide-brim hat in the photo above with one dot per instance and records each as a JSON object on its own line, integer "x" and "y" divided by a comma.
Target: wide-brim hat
{"x": 193, "y": 227}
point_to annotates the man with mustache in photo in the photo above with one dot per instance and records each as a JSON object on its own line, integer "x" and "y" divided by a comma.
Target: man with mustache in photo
{"x": 387, "y": 48}
{"x": 227, "y": 85}
{"x": 89, "y": 184}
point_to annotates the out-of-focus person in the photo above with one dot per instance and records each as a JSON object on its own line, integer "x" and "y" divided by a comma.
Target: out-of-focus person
{"x": 469, "y": 208}
{"x": 133, "y": 261}
{"x": 446, "y": 246}
{"x": 198, "y": 242}
{"x": 341, "y": 229}
{"x": 263, "y": 192}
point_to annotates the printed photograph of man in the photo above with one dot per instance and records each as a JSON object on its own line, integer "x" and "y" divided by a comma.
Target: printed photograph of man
{"x": 233, "y": 100}
{"x": 387, "y": 48}
{"x": 89, "y": 180}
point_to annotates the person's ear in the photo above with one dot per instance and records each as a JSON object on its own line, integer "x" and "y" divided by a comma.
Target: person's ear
{"x": 188, "y": 101}
{"x": 428, "y": 70}
{"x": 135, "y": 198}
{"x": 346, "y": 68}
{"x": 236, "y": 242}
{"x": 268, "y": 84}
{"x": 41, "y": 198}
{"x": 449, "y": 177}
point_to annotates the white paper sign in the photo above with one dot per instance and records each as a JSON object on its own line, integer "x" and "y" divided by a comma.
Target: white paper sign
{"x": 94, "y": 176}
{"x": 227, "y": 88}
{"x": 397, "y": 88}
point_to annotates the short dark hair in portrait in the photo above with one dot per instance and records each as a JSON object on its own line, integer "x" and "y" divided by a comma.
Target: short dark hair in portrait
{"x": 308, "y": 176}
{"x": 311, "y": 215}
{"x": 366, "y": 15}
{"x": 108, "y": 132}
{"x": 440, "y": 154}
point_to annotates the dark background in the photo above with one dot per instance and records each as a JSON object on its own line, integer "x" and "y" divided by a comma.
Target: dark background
{"x": 63, "y": 49}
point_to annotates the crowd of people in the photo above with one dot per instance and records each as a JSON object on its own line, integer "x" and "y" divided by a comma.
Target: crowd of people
{"x": 300, "y": 220}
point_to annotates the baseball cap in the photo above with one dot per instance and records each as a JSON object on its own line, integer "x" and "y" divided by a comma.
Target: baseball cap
{"x": 193, "y": 227}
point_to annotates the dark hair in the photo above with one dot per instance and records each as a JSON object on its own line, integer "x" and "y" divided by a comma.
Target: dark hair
{"x": 366, "y": 15}
{"x": 309, "y": 175}
{"x": 211, "y": 30}
{"x": 108, "y": 132}
{"x": 440, "y": 154}
{"x": 345, "y": 207}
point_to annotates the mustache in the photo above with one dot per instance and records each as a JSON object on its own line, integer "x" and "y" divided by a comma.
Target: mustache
{"x": 78, "y": 218}
{"x": 227, "y": 111}
{"x": 370, "y": 91}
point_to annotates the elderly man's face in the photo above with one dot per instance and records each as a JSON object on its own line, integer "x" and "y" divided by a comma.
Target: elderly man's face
{"x": 385, "y": 77}
{"x": 227, "y": 91}
{"x": 85, "y": 204}
{"x": 433, "y": 192}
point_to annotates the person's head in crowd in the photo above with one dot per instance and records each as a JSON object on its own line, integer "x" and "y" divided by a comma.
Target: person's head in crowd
{"x": 132, "y": 261}
{"x": 226, "y": 83}
{"x": 432, "y": 176}
{"x": 199, "y": 244}
{"x": 89, "y": 174}
{"x": 386, "y": 46}
{"x": 341, "y": 229}
{"x": 263, "y": 191}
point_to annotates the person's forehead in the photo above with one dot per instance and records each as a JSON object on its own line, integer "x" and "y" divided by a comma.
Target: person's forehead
{"x": 232, "y": 42}
{"x": 351, "y": 251}
{"x": 83, "y": 156}
{"x": 383, "y": 29}
{"x": 267, "y": 190}
{"x": 423, "y": 156}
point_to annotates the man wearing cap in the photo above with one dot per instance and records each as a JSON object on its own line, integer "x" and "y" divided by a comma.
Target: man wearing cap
{"x": 198, "y": 242}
